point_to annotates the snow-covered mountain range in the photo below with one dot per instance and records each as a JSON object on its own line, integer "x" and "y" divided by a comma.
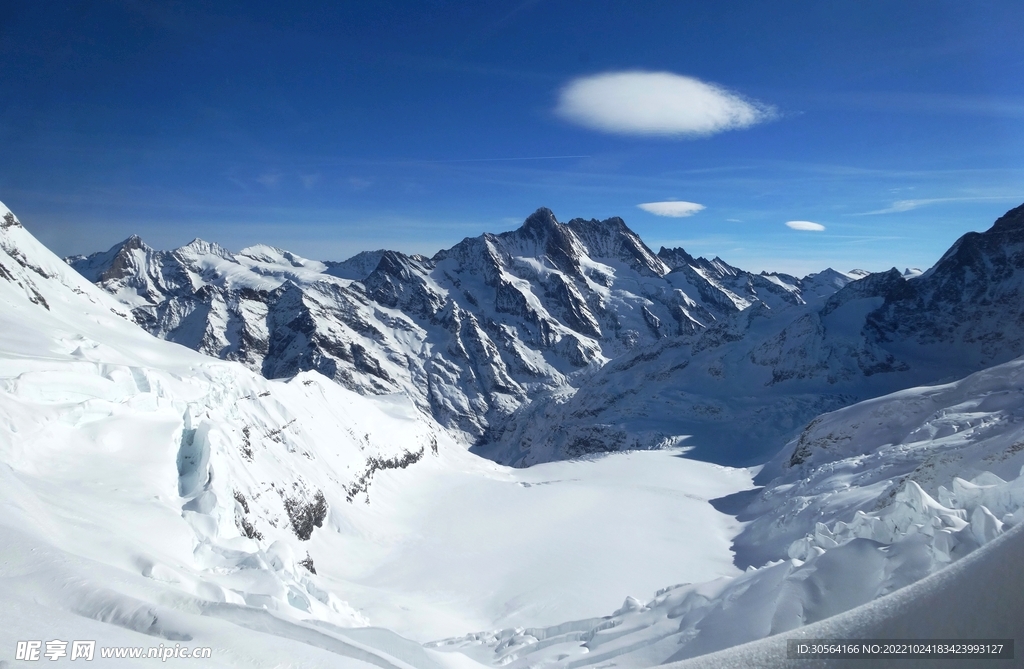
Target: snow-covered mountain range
{"x": 472, "y": 334}
{"x": 558, "y": 340}
{"x": 309, "y": 499}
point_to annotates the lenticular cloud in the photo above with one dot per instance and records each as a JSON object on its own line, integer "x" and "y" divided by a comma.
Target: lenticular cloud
{"x": 673, "y": 208}
{"x": 809, "y": 226}
{"x": 657, "y": 103}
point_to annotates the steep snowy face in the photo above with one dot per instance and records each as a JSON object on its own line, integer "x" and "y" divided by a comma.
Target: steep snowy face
{"x": 471, "y": 335}
{"x": 737, "y": 390}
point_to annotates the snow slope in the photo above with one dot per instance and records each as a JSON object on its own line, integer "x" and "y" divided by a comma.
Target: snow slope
{"x": 869, "y": 499}
{"x": 152, "y": 494}
{"x": 976, "y": 598}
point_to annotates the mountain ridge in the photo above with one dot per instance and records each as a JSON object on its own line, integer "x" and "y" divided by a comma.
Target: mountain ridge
{"x": 507, "y": 338}
{"x": 472, "y": 333}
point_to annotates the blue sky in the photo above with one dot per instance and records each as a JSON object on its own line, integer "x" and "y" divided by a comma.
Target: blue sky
{"x": 327, "y": 128}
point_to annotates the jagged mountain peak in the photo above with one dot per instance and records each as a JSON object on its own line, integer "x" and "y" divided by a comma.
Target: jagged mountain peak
{"x": 678, "y": 257}
{"x": 542, "y": 235}
{"x": 675, "y": 257}
{"x": 565, "y": 244}
{"x": 393, "y": 263}
{"x": 202, "y": 247}
{"x": 725, "y": 267}
{"x": 356, "y": 268}
{"x": 119, "y": 261}
{"x": 613, "y": 239}
{"x": 539, "y": 223}
{"x": 979, "y": 249}
{"x": 134, "y": 242}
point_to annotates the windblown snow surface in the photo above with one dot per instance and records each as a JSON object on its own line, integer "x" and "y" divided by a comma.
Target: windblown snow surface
{"x": 152, "y": 495}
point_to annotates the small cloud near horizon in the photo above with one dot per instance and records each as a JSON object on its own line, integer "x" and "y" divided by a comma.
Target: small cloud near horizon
{"x": 671, "y": 208}
{"x": 657, "y": 103}
{"x": 805, "y": 225}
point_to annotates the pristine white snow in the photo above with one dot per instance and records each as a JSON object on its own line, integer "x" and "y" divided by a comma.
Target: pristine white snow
{"x": 975, "y": 598}
{"x": 472, "y": 545}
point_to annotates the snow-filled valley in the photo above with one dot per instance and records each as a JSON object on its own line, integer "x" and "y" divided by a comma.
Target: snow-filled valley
{"x": 335, "y": 515}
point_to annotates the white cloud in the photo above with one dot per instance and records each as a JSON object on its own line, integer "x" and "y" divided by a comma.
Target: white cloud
{"x": 673, "y": 208}
{"x": 657, "y": 103}
{"x": 805, "y": 225}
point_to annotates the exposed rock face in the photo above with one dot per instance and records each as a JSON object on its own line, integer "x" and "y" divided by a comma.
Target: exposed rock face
{"x": 971, "y": 303}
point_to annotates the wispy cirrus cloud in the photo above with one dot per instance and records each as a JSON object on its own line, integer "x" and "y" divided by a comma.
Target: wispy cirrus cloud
{"x": 900, "y": 206}
{"x": 657, "y": 103}
{"x": 808, "y": 226}
{"x": 672, "y": 208}
{"x": 906, "y": 205}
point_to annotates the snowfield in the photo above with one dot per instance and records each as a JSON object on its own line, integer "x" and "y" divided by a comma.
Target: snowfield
{"x": 152, "y": 495}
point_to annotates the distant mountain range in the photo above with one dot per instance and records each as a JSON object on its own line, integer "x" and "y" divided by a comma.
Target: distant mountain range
{"x": 557, "y": 340}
